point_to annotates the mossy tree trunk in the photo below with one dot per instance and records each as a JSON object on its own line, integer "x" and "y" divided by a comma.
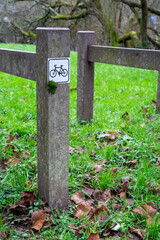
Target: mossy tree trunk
{"x": 144, "y": 21}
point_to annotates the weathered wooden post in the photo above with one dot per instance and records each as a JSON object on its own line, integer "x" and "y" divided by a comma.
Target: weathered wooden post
{"x": 53, "y": 116}
{"x": 85, "y": 78}
{"x": 158, "y": 94}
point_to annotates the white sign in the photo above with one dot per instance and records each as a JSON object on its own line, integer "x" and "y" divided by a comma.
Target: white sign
{"x": 59, "y": 70}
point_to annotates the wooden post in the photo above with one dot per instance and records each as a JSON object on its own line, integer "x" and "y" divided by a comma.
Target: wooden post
{"x": 85, "y": 78}
{"x": 158, "y": 94}
{"x": 52, "y": 120}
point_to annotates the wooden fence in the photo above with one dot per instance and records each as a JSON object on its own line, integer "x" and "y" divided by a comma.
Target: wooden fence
{"x": 88, "y": 53}
{"x": 52, "y": 111}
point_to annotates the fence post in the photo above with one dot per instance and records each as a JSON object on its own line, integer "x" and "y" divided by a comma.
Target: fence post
{"x": 52, "y": 120}
{"x": 158, "y": 94}
{"x": 85, "y": 78}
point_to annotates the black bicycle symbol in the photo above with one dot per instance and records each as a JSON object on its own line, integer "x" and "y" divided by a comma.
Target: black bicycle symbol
{"x": 60, "y": 70}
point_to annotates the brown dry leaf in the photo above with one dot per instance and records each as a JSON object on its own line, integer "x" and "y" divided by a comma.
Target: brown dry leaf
{"x": 138, "y": 232}
{"x": 112, "y": 135}
{"x": 17, "y": 209}
{"x": 140, "y": 211}
{"x": 14, "y": 160}
{"x": 93, "y": 154}
{"x": 93, "y": 236}
{"x": 83, "y": 209}
{"x": 146, "y": 210}
{"x": 149, "y": 209}
{"x": 26, "y": 154}
{"x": 122, "y": 195}
{"x": 77, "y": 230}
{"x": 125, "y": 114}
{"x": 153, "y": 103}
{"x": 10, "y": 138}
{"x": 71, "y": 150}
{"x": 88, "y": 191}
{"x": 126, "y": 179}
{"x": 38, "y": 218}
{"x": 105, "y": 197}
{"x": 158, "y": 162}
{"x": 131, "y": 163}
{"x": 101, "y": 213}
{"x": 8, "y": 147}
{"x": 114, "y": 170}
{"x": 97, "y": 194}
{"x": 79, "y": 149}
{"x": 98, "y": 168}
{"x": 3, "y": 164}
{"x": 143, "y": 125}
{"x": 145, "y": 109}
{"x": 27, "y": 199}
{"x": 3, "y": 235}
{"x": 21, "y": 99}
{"x": 78, "y": 197}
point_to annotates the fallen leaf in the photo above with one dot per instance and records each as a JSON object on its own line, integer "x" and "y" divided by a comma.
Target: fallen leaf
{"x": 138, "y": 232}
{"x": 147, "y": 211}
{"x": 125, "y": 114}
{"x": 71, "y": 150}
{"x": 38, "y": 218}
{"x": 3, "y": 164}
{"x": 26, "y": 154}
{"x": 8, "y": 147}
{"x": 21, "y": 99}
{"x": 126, "y": 179}
{"x": 10, "y": 138}
{"x": 114, "y": 170}
{"x": 88, "y": 191}
{"x": 93, "y": 236}
{"x": 17, "y": 209}
{"x": 83, "y": 209}
{"x": 105, "y": 197}
{"x": 131, "y": 163}
{"x": 145, "y": 109}
{"x": 101, "y": 213}
{"x": 107, "y": 135}
{"x": 27, "y": 199}
{"x": 77, "y": 230}
{"x": 158, "y": 162}
{"x": 143, "y": 125}
{"x": 153, "y": 103}
{"x": 72, "y": 89}
{"x": 98, "y": 168}
{"x": 78, "y": 197}
{"x": 14, "y": 160}
{"x": 93, "y": 154}
{"x": 122, "y": 195}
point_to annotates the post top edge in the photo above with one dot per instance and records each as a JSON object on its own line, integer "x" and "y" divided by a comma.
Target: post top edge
{"x": 86, "y": 32}
{"x": 51, "y": 29}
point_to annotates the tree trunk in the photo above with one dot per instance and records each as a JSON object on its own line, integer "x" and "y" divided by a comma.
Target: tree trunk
{"x": 144, "y": 21}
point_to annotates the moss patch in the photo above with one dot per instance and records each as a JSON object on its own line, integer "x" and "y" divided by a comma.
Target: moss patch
{"x": 52, "y": 86}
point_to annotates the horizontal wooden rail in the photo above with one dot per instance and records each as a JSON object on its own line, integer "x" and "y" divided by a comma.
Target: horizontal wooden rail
{"x": 18, "y": 63}
{"x": 138, "y": 58}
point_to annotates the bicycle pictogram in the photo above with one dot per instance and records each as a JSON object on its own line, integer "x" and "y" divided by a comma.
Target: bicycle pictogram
{"x": 58, "y": 70}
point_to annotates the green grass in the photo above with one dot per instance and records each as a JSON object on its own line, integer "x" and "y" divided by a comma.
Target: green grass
{"x": 117, "y": 90}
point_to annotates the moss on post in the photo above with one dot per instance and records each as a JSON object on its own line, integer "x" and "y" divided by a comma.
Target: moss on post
{"x": 52, "y": 86}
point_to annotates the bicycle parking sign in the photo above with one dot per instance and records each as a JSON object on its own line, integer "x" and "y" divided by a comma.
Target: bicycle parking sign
{"x": 59, "y": 70}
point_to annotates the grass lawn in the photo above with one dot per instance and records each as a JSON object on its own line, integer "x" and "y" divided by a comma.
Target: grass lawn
{"x": 114, "y": 181}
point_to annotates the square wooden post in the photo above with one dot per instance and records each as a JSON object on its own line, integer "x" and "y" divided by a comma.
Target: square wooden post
{"x": 52, "y": 120}
{"x": 158, "y": 94}
{"x": 85, "y": 78}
